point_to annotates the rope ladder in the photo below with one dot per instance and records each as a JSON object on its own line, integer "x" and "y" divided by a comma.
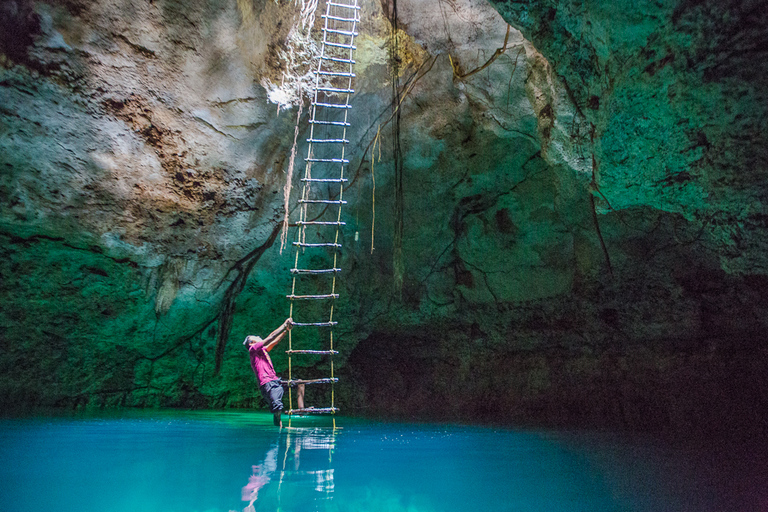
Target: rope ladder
{"x": 320, "y": 206}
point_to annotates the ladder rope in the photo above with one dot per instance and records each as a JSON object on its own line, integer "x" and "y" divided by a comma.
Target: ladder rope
{"x": 326, "y": 155}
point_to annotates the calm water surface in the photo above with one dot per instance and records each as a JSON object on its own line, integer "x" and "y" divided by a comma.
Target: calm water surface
{"x": 164, "y": 461}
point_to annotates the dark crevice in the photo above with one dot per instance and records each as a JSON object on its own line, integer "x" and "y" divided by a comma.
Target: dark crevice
{"x": 33, "y": 239}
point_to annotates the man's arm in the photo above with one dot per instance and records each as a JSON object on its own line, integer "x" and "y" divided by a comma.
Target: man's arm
{"x": 269, "y": 346}
{"x": 277, "y": 335}
{"x": 276, "y": 332}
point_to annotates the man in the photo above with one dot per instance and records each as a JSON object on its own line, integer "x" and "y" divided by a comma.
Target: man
{"x": 269, "y": 383}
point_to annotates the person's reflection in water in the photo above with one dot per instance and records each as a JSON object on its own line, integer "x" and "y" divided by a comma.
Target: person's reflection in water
{"x": 304, "y": 456}
{"x": 260, "y": 477}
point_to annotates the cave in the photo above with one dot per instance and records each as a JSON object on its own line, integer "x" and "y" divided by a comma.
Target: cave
{"x": 556, "y": 211}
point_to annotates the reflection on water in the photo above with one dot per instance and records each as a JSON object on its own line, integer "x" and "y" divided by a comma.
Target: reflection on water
{"x": 304, "y": 457}
{"x": 261, "y": 476}
{"x": 154, "y": 461}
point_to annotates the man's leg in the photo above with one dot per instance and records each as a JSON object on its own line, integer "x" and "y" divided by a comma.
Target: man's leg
{"x": 275, "y": 392}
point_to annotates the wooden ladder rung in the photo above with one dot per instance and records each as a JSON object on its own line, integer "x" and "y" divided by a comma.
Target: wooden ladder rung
{"x": 333, "y": 105}
{"x": 336, "y": 59}
{"x": 335, "y": 89}
{"x": 302, "y": 244}
{"x": 328, "y": 160}
{"x": 348, "y": 6}
{"x": 321, "y": 201}
{"x": 311, "y": 381}
{"x": 320, "y": 352}
{"x": 325, "y": 180}
{"x": 319, "y": 223}
{"x": 319, "y": 271}
{"x": 335, "y": 73}
{"x": 314, "y": 324}
{"x": 340, "y": 45}
{"x": 328, "y": 141}
{"x": 314, "y": 410}
{"x": 313, "y": 297}
{"x": 330, "y": 123}
{"x": 342, "y": 32}
{"x": 339, "y": 18}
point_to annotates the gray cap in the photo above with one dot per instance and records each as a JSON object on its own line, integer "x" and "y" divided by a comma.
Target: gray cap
{"x": 255, "y": 338}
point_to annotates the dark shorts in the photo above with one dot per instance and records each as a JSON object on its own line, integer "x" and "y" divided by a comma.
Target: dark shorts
{"x": 272, "y": 392}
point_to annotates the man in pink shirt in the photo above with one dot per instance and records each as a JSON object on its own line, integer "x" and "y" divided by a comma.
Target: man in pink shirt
{"x": 269, "y": 382}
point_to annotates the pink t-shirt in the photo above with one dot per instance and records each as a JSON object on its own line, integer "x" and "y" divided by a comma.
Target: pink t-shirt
{"x": 261, "y": 363}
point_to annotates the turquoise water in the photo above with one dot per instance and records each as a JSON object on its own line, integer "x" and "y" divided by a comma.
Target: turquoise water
{"x": 163, "y": 461}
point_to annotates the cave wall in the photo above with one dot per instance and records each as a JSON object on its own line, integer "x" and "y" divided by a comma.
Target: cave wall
{"x": 676, "y": 93}
{"x": 620, "y": 282}
{"x": 583, "y": 236}
{"x": 142, "y": 181}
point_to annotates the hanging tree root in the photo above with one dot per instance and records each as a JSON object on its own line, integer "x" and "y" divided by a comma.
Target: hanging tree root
{"x": 409, "y": 85}
{"x": 407, "y": 89}
{"x": 592, "y": 203}
{"x": 457, "y": 74}
{"x": 243, "y": 267}
{"x": 288, "y": 181}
